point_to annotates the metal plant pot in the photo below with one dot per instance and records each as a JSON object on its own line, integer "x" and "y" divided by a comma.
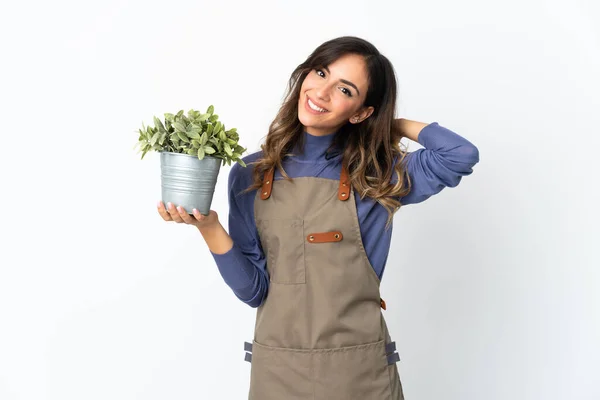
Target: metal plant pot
{"x": 187, "y": 181}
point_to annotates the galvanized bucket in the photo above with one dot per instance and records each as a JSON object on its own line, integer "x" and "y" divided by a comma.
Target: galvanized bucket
{"x": 187, "y": 181}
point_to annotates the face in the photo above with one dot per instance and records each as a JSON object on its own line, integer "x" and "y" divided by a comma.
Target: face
{"x": 332, "y": 96}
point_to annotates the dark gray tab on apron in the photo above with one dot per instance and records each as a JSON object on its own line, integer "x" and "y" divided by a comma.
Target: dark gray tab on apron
{"x": 247, "y": 346}
{"x": 390, "y": 347}
{"x": 248, "y": 357}
{"x": 392, "y": 358}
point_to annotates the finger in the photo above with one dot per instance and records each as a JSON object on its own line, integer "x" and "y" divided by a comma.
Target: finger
{"x": 185, "y": 216}
{"x": 174, "y": 213}
{"x": 198, "y": 215}
{"x": 163, "y": 212}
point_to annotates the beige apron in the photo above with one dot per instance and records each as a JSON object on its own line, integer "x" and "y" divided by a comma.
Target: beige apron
{"x": 320, "y": 334}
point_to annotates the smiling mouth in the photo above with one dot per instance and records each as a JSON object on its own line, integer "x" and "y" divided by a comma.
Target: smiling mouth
{"x": 314, "y": 107}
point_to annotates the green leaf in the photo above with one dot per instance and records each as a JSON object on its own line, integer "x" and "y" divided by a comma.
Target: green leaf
{"x": 183, "y": 137}
{"x": 179, "y": 126}
{"x": 241, "y": 162}
{"x": 195, "y": 128}
{"x": 213, "y": 118}
{"x": 209, "y": 150}
{"x": 231, "y": 141}
{"x": 201, "y": 153}
{"x": 211, "y": 110}
{"x": 191, "y": 152}
{"x": 218, "y": 126}
{"x": 154, "y": 138}
{"x": 163, "y": 136}
{"x": 179, "y": 114}
{"x": 203, "y": 138}
{"x": 203, "y": 117}
{"x": 227, "y": 149}
{"x": 158, "y": 123}
{"x": 210, "y": 129}
{"x": 169, "y": 117}
{"x": 222, "y": 136}
{"x": 193, "y": 135}
{"x": 196, "y": 143}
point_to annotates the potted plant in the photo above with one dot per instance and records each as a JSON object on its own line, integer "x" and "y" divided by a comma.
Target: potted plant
{"x": 192, "y": 148}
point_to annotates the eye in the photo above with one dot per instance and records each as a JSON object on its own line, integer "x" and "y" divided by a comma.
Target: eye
{"x": 347, "y": 92}
{"x": 344, "y": 90}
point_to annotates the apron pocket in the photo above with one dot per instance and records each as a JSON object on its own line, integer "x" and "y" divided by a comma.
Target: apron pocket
{"x": 283, "y": 243}
{"x": 355, "y": 372}
{"x": 280, "y": 374}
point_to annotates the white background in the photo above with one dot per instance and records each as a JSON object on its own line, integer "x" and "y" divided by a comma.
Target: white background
{"x": 492, "y": 287}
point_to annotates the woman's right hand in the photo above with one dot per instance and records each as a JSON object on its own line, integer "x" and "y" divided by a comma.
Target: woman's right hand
{"x": 181, "y": 216}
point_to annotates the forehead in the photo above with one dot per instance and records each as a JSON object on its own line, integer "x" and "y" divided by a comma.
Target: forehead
{"x": 353, "y": 68}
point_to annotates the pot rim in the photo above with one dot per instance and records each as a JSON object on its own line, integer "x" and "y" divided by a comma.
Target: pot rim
{"x": 186, "y": 155}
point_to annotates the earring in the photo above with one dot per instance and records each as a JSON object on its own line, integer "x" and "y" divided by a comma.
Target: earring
{"x": 355, "y": 119}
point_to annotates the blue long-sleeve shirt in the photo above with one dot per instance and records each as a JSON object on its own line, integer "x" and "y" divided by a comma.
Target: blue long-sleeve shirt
{"x": 444, "y": 160}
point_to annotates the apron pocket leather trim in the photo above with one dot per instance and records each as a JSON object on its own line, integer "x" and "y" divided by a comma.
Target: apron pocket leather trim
{"x": 325, "y": 237}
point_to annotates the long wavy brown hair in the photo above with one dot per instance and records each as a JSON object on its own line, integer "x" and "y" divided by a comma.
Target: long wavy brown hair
{"x": 369, "y": 147}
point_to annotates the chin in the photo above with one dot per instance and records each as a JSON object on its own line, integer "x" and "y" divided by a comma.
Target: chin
{"x": 305, "y": 119}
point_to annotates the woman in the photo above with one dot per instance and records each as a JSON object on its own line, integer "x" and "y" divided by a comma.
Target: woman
{"x": 307, "y": 258}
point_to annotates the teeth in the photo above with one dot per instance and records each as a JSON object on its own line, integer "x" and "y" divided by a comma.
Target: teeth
{"x": 314, "y": 107}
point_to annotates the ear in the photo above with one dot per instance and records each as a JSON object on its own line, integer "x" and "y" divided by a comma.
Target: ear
{"x": 362, "y": 115}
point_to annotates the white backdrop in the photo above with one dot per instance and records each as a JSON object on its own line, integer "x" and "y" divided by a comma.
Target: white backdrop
{"x": 492, "y": 287}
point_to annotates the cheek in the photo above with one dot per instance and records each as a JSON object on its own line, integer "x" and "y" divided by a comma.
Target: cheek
{"x": 308, "y": 82}
{"x": 344, "y": 107}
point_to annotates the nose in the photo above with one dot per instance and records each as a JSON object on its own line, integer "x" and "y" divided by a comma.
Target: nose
{"x": 323, "y": 91}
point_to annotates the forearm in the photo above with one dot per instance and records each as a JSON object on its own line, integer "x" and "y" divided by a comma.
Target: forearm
{"x": 243, "y": 274}
{"x": 409, "y": 128}
{"x": 444, "y": 159}
{"x": 217, "y": 238}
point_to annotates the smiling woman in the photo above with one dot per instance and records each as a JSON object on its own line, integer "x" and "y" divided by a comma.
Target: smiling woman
{"x": 331, "y": 94}
{"x": 309, "y": 225}
{"x": 345, "y": 91}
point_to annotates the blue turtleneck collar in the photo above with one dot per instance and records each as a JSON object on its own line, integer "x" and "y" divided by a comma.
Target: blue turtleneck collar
{"x": 315, "y": 148}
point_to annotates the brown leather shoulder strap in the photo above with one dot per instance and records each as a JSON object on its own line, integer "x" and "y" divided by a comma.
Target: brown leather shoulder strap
{"x": 265, "y": 191}
{"x": 344, "y": 188}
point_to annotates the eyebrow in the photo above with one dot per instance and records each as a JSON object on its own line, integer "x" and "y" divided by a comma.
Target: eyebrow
{"x": 344, "y": 81}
